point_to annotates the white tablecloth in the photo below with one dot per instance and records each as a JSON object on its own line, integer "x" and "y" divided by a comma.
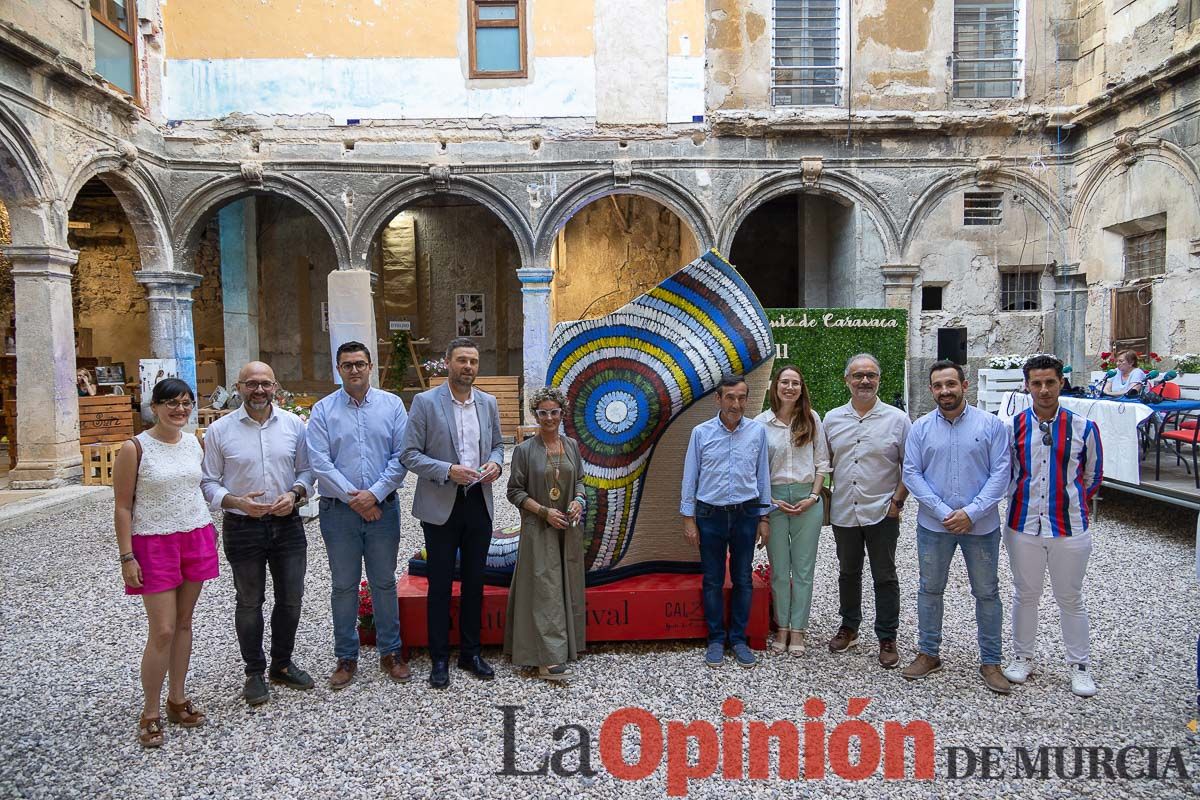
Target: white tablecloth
{"x": 1117, "y": 422}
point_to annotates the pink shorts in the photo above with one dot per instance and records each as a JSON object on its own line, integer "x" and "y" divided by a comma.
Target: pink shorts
{"x": 168, "y": 560}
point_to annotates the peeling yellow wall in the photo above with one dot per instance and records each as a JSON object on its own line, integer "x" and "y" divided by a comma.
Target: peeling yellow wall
{"x": 685, "y": 18}
{"x": 561, "y": 27}
{"x": 220, "y": 29}
{"x": 902, "y": 25}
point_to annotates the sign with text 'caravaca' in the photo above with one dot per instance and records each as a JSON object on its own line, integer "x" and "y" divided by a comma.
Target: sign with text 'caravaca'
{"x": 819, "y": 340}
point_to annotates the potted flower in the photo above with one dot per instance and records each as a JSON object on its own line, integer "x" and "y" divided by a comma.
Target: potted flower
{"x": 434, "y": 367}
{"x": 1188, "y": 367}
{"x": 366, "y": 616}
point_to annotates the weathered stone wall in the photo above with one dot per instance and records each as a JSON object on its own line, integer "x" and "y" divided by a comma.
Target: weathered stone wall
{"x": 613, "y": 250}
{"x": 108, "y": 299}
{"x": 463, "y": 248}
{"x": 6, "y": 278}
{"x": 207, "y": 308}
{"x": 294, "y": 262}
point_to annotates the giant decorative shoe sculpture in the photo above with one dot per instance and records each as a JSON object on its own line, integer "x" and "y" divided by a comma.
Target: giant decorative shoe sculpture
{"x": 637, "y": 382}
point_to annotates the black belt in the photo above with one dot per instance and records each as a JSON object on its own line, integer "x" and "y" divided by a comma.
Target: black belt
{"x": 745, "y": 505}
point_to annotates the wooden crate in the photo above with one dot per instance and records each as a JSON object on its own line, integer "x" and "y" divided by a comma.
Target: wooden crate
{"x": 105, "y": 419}
{"x": 98, "y": 461}
{"x": 507, "y": 391}
{"x": 207, "y": 416}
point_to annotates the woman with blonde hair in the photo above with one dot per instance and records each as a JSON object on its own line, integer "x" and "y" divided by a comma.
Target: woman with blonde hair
{"x": 1129, "y": 376}
{"x": 545, "y": 625}
{"x": 799, "y": 458}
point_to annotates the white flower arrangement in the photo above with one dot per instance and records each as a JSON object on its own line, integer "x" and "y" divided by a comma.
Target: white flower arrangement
{"x": 1011, "y": 361}
{"x": 1187, "y": 363}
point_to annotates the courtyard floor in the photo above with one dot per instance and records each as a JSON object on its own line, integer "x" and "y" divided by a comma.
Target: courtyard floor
{"x": 70, "y": 643}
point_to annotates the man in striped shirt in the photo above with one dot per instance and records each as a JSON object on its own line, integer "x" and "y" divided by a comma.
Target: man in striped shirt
{"x": 1057, "y": 465}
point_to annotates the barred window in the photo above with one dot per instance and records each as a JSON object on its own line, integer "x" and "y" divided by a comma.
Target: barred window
{"x": 1145, "y": 255}
{"x": 1020, "y": 291}
{"x": 805, "y": 51}
{"x": 985, "y": 48}
{"x": 982, "y": 208}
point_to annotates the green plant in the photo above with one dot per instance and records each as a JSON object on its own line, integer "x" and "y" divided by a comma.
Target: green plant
{"x": 1188, "y": 363}
{"x": 820, "y": 340}
{"x": 398, "y": 369}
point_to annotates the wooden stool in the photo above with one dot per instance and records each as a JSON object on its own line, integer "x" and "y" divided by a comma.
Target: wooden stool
{"x": 98, "y": 461}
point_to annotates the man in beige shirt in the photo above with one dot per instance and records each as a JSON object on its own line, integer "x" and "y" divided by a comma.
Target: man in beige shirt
{"x": 866, "y": 446}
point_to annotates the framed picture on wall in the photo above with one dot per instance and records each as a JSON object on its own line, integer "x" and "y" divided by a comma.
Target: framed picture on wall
{"x": 469, "y": 316}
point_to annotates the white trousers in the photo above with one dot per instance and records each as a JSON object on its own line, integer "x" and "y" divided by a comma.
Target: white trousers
{"x": 1066, "y": 557}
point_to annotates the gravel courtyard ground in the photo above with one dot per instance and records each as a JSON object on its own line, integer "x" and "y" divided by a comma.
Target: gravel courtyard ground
{"x": 71, "y": 642}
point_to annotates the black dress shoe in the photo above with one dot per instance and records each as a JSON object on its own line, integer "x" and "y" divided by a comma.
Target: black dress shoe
{"x": 477, "y": 667}
{"x": 439, "y": 676}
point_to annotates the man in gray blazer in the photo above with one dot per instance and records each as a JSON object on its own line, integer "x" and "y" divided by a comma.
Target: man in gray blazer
{"x": 453, "y": 445}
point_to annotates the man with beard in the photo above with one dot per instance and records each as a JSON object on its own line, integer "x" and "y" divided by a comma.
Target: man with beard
{"x": 866, "y": 448}
{"x": 453, "y": 444}
{"x": 956, "y": 464}
{"x": 256, "y": 470}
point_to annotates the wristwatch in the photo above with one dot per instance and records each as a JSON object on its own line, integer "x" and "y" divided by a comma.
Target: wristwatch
{"x": 300, "y": 495}
{"x": 897, "y": 503}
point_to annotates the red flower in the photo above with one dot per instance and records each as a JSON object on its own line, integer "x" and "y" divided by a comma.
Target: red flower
{"x": 1106, "y": 355}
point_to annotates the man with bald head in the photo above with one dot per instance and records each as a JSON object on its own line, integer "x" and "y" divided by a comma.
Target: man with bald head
{"x": 256, "y": 470}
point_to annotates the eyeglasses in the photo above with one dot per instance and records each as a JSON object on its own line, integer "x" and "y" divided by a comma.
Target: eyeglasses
{"x": 548, "y": 413}
{"x": 1045, "y": 429}
{"x": 354, "y": 366}
{"x": 860, "y": 377}
{"x": 254, "y": 386}
{"x": 175, "y": 405}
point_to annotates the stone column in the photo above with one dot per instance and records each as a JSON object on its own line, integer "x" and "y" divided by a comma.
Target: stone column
{"x": 239, "y": 285}
{"x": 535, "y": 305}
{"x": 169, "y": 293}
{"x": 898, "y": 293}
{"x": 352, "y": 316}
{"x": 47, "y": 403}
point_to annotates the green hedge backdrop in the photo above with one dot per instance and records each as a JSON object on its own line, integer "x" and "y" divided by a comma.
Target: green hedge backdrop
{"x": 819, "y": 340}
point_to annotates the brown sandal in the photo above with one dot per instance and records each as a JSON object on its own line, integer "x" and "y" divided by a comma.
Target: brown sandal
{"x": 185, "y": 714}
{"x": 150, "y": 732}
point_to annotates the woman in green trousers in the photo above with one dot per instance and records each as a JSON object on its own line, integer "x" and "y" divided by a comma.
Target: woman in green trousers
{"x": 799, "y": 465}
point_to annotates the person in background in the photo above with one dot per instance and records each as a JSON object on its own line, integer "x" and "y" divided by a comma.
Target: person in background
{"x": 354, "y": 440}
{"x": 167, "y": 546}
{"x": 1057, "y": 466}
{"x": 799, "y": 458}
{"x": 866, "y": 446}
{"x": 1129, "y": 378}
{"x": 956, "y": 464}
{"x": 84, "y": 383}
{"x": 546, "y": 624}
{"x": 256, "y": 470}
{"x": 725, "y": 500}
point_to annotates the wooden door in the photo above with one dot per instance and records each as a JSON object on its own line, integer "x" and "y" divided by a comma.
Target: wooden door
{"x": 1131, "y": 318}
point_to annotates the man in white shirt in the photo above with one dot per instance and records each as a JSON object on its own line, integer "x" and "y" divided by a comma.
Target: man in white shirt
{"x": 866, "y": 447}
{"x": 256, "y": 470}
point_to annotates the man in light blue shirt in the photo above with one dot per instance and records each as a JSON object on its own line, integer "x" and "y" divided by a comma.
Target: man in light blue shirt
{"x": 355, "y": 437}
{"x": 726, "y": 497}
{"x": 956, "y": 464}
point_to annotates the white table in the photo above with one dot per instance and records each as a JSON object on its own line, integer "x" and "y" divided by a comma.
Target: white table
{"x": 1118, "y": 424}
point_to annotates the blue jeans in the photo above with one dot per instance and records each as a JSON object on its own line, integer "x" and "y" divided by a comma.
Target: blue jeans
{"x": 350, "y": 542}
{"x": 726, "y": 532}
{"x": 935, "y": 551}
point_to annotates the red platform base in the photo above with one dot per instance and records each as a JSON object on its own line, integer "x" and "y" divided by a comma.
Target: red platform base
{"x": 647, "y": 607}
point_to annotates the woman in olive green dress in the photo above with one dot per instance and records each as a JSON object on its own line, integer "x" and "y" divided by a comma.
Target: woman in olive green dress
{"x": 545, "y": 624}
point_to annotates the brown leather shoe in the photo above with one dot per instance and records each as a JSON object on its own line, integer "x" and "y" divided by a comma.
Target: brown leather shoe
{"x": 843, "y": 640}
{"x": 922, "y": 666}
{"x": 994, "y": 679}
{"x": 344, "y": 674}
{"x": 888, "y": 657}
{"x": 395, "y": 667}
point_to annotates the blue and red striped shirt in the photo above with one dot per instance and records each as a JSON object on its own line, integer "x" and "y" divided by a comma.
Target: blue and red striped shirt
{"x": 1053, "y": 483}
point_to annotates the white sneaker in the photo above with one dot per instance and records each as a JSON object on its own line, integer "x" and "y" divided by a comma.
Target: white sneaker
{"x": 1019, "y": 669}
{"x": 1081, "y": 681}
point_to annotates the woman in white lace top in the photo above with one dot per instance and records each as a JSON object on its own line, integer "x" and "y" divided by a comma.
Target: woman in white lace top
{"x": 168, "y": 548}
